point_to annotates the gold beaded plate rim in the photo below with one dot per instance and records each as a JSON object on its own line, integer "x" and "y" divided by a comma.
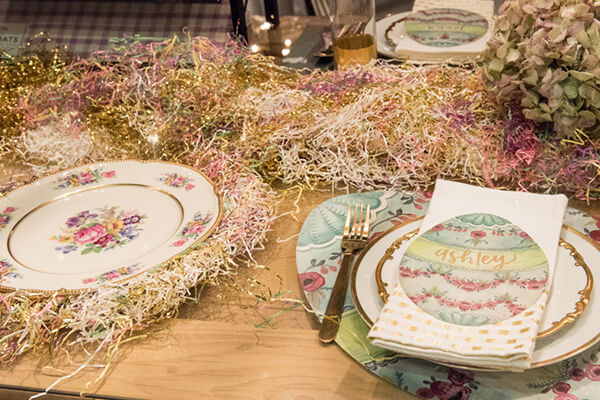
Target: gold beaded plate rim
{"x": 185, "y": 249}
{"x": 540, "y": 363}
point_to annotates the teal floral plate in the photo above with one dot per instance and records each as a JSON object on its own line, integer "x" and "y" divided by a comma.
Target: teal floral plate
{"x": 318, "y": 257}
{"x": 102, "y": 223}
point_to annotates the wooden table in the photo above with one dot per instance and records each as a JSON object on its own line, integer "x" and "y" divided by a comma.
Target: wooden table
{"x": 214, "y": 351}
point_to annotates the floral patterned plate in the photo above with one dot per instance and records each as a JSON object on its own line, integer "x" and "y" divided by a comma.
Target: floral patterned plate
{"x": 102, "y": 223}
{"x": 391, "y": 28}
{"x": 570, "y": 293}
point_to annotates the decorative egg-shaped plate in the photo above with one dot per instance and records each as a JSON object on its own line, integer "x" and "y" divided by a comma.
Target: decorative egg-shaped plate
{"x": 474, "y": 269}
{"x": 444, "y": 27}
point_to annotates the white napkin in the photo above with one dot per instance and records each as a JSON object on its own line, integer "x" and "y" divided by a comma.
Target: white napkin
{"x": 409, "y": 48}
{"x": 508, "y": 344}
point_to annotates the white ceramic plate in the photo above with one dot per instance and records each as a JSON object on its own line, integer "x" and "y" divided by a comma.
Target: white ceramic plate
{"x": 569, "y": 278}
{"x": 102, "y": 223}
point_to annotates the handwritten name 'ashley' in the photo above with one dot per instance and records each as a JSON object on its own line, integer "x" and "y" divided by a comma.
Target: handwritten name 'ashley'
{"x": 475, "y": 258}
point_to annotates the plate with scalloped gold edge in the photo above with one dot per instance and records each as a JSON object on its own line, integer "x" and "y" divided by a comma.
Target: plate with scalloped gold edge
{"x": 568, "y": 326}
{"x": 391, "y": 28}
{"x": 102, "y": 223}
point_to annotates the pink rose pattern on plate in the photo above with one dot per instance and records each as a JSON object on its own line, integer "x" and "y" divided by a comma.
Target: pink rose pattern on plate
{"x": 113, "y": 274}
{"x": 449, "y": 270}
{"x": 470, "y": 285}
{"x": 5, "y": 216}
{"x": 99, "y": 230}
{"x": 83, "y": 178}
{"x": 193, "y": 229}
{"x": 8, "y": 271}
{"x": 175, "y": 180}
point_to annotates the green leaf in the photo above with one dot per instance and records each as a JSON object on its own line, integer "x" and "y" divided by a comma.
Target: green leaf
{"x": 502, "y": 51}
{"x": 571, "y": 89}
{"x": 98, "y": 249}
{"x": 513, "y": 55}
{"x": 531, "y": 77}
{"x": 557, "y": 34}
{"x": 582, "y": 9}
{"x": 584, "y": 39}
{"x": 586, "y": 119}
{"x": 87, "y": 250}
{"x": 581, "y": 75}
{"x": 556, "y": 91}
{"x": 530, "y": 100}
{"x": 496, "y": 65}
{"x": 537, "y": 115}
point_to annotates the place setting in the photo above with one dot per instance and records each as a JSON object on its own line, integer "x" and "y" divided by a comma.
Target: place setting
{"x": 437, "y": 32}
{"x": 450, "y": 281}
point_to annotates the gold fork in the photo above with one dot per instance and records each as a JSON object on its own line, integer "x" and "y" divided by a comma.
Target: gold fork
{"x": 356, "y": 232}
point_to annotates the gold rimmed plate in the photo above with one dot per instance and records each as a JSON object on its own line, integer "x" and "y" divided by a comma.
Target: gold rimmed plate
{"x": 566, "y": 329}
{"x": 390, "y": 32}
{"x": 102, "y": 223}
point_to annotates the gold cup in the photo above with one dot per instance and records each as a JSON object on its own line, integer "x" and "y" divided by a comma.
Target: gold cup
{"x": 353, "y": 31}
{"x": 354, "y": 49}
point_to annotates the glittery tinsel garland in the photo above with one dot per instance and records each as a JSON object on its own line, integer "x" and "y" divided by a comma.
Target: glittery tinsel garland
{"x": 379, "y": 126}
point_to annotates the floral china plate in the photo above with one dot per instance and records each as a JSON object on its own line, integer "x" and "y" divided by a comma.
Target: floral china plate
{"x": 102, "y": 223}
{"x": 568, "y": 326}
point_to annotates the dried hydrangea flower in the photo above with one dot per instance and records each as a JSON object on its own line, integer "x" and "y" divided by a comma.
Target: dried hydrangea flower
{"x": 545, "y": 54}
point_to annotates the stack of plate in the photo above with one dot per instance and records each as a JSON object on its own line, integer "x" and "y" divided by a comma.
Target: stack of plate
{"x": 433, "y": 36}
{"x": 568, "y": 326}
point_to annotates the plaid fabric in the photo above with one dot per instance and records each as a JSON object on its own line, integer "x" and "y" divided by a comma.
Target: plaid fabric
{"x": 86, "y": 26}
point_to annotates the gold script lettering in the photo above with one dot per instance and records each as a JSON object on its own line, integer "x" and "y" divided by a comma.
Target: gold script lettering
{"x": 441, "y": 253}
{"x": 477, "y": 258}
